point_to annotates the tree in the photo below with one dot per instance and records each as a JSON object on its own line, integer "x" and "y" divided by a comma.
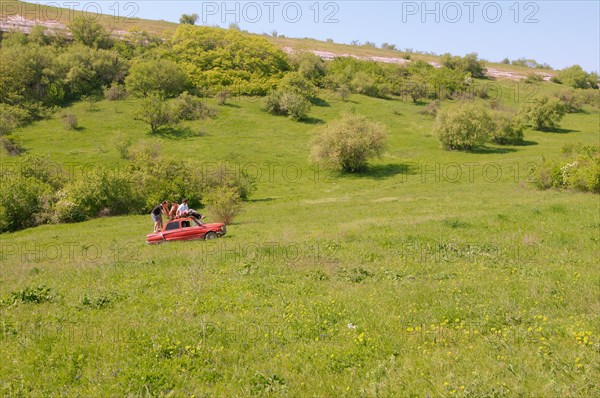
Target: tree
{"x": 188, "y": 19}
{"x": 348, "y": 143}
{"x": 86, "y": 70}
{"x": 463, "y": 126}
{"x": 544, "y": 113}
{"x": 162, "y": 77}
{"x": 155, "y": 111}
{"x": 88, "y": 31}
{"x": 576, "y": 77}
{"x": 469, "y": 63}
{"x": 217, "y": 59}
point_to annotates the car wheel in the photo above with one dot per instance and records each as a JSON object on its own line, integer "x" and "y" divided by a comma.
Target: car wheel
{"x": 210, "y": 235}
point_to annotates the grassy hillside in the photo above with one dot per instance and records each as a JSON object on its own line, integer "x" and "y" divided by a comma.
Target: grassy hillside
{"x": 433, "y": 273}
{"x": 122, "y": 23}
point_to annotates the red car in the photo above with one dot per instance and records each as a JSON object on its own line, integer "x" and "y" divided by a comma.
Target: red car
{"x": 186, "y": 228}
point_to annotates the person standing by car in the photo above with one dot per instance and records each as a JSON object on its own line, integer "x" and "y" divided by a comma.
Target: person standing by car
{"x": 156, "y": 214}
{"x": 183, "y": 208}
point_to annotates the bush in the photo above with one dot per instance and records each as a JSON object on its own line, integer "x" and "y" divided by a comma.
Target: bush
{"x": 122, "y": 143}
{"x": 509, "y": 129}
{"x": 469, "y": 63}
{"x": 11, "y": 145}
{"x": 189, "y": 19}
{"x": 544, "y": 113}
{"x": 575, "y": 77}
{"x": 222, "y": 97}
{"x": 65, "y": 211}
{"x": 463, "y": 126}
{"x": 189, "y": 107}
{"x": 11, "y": 117}
{"x": 431, "y": 109}
{"x": 88, "y": 31}
{"x": 116, "y": 92}
{"x": 70, "y": 121}
{"x": 348, "y": 143}
{"x": 289, "y": 103}
{"x": 573, "y": 101}
{"x": 217, "y": 59}
{"x": 156, "y": 77}
{"x": 223, "y": 204}
{"x": 533, "y": 78}
{"x": 102, "y": 191}
{"x": 222, "y": 175}
{"x": 157, "y": 113}
{"x": 309, "y": 65}
{"x": 579, "y": 170}
{"x": 295, "y": 82}
{"x": 21, "y": 200}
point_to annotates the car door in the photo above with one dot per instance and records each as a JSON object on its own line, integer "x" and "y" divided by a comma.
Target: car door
{"x": 172, "y": 231}
{"x": 188, "y": 230}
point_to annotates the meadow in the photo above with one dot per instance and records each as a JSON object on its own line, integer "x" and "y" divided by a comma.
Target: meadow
{"x": 433, "y": 273}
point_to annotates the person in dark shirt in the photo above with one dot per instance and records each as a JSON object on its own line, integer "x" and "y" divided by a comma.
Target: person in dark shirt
{"x": 157, "y": 215}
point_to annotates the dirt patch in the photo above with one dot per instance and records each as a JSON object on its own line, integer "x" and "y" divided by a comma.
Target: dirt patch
{"x": 20, "y": 24}
{"x": 491, "y": 72}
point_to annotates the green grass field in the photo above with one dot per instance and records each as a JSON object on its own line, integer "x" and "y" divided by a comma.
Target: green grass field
{"x": 434, "y": 273}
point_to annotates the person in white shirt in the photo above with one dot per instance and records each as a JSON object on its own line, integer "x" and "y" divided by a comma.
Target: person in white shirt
{"x": 183, "y": 208}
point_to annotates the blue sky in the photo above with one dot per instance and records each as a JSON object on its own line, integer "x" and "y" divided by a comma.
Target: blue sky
{"x": 560, "y": 33}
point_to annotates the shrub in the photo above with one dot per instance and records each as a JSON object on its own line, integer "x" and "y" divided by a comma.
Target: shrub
{"x": 116, "y": 92}
{"x": 11, "y": 117}
{"x": 509, "y": 129}
{"x": 91, "y": 101}
{"x": 575, "y": 77}
{"x": 222, "y": 97}
{"x": 348, "y": 143}
{"x": 309, "y": 65}
{"x": 578, "y": 170}
{"x": 21, "y": 199}
{"x": 343, "y": 91}
{"x": 289, "y": 103}
{"x": 11, "y": 145}
{"x": 35, "y": 295}
{"x": 122, "y": 143}
{"x": 190, "y": 107}
{"x": 66, "y": 211}
{"x": 222, "y": 175}
{"x": 431, "y": 109}
{"x": 223, "y": 204}
{"x": 463, "y": 126}
{"x": 88, "y": 31}
{"x": 217, "y": 59}
{"x": 156, "y": 112}
{"x": 156, "y": 77}
{"x": 70, "y": 121}
{"x": 189, "y": 19}
{"x": 573, "y": 101}
{"x": 469, "y": 63}
{"x": 101, "y": 189}
{"x": 295, "y": 82}
{"x": 544, "y": 113}
{"x": 533, "y": 78}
